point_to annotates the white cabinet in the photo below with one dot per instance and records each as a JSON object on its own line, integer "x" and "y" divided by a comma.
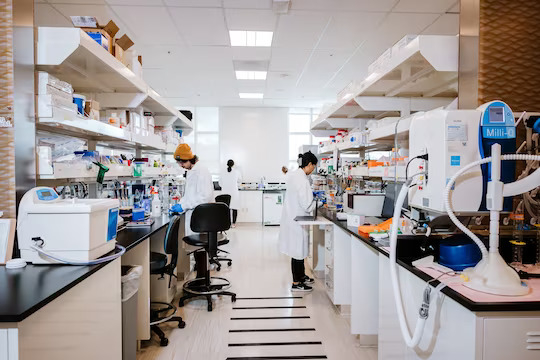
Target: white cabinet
{"x": 338, "y": 265}
{"x": 251, "y": 205}
{"x": 511, "y": 338}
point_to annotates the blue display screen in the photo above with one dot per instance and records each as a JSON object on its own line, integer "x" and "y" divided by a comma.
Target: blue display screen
{"x": 113, "y": 224}
{"x": 46, "y": 194}
{"x": 496, "y": 114}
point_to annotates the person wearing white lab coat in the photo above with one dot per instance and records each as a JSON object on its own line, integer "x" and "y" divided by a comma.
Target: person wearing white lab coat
{"x": 294, "y": 238}
{"x": 199, "y": 186}
{"x": 229, "y": 181}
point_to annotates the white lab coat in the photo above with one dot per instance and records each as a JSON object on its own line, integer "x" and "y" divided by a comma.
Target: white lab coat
{"x": 293, "y": 238}
{"x": 229, "y": 182}
{"x": 199, "y": 190}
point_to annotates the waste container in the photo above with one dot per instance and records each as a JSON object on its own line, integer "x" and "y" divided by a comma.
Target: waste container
{"x": 131, "y": 276}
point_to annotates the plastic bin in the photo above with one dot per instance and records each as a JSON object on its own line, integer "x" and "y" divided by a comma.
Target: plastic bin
{"x": 131, "y": 276}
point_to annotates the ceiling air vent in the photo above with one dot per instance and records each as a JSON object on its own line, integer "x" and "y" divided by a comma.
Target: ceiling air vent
{"x": 281, "y": 6}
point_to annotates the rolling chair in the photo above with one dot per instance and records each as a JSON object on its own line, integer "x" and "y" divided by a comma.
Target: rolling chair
{"x": 226, "y": 199}
{"x": 207, "y": 221}
{"x": 162, "y": 312}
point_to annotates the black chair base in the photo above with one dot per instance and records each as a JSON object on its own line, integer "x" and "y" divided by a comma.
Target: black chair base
{"x": 200, "y": 288}
{"x": 156, "y": 318}
{"x": 217, "y": 262}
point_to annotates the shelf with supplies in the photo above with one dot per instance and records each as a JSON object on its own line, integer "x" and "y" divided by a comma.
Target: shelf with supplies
{"x": 68, "y": 123}
{"x": 74, "y": 57}
{"x": 418, "y": 73}
{"x": 87, "y": 172}
{"x": 386, "y": 133}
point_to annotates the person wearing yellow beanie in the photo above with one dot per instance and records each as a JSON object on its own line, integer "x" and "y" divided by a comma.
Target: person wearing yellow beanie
{"x": 199, "y": 187}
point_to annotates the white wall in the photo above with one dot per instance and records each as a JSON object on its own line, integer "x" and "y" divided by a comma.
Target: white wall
{"x": 257, "y": 139}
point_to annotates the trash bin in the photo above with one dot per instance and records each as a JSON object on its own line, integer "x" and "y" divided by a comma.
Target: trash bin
{"x": 131, "y": 276}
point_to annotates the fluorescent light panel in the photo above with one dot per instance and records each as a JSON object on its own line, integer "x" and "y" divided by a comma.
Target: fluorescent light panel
{"x": 251, "y": 95}
{"x": 251, "y": 38}
{"x": 251, "y": 75}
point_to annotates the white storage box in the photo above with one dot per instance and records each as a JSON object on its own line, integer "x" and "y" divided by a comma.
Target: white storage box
{"x": 46, "y": 104}
{"x": 76, "y": 229}
{"x": 355, "y": 220}
{"x": 45, "y": 79}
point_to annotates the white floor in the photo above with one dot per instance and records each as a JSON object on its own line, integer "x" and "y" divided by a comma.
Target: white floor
{"x": 260, "y": 271}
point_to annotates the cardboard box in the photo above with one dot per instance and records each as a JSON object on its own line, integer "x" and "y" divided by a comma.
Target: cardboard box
{"x": 46, "y": 81}
{"x": 47, "y": 102}
{"x": 120, "y": 46}
{"x": 91, "y": 105}
{"x": 103, "y": 35}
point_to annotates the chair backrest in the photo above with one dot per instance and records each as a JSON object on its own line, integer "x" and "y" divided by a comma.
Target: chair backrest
{"x": 170, "y": 244}
{"x": 224, "y": 198}
{"x": 210, "y": 218}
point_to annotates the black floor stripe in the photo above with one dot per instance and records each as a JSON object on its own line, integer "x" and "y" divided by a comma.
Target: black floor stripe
{"x": 270, "y": 330}
{"x": 306, "y": 357}
{"x": 270, "y": 307}
{"x": 278, "y": 343}
{"x": 270, "y": 317}
{"x": 269, "y": 298}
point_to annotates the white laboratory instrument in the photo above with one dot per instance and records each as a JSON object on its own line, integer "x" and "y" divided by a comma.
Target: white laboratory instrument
{"x": 452, "y": 139}
{"x": 456, "y": 177}
{"x": 77, "y": 229}
{"x": 272, "y": 207}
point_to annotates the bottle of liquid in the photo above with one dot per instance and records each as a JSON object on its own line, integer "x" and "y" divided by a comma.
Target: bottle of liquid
{"x": 156, "y": 205}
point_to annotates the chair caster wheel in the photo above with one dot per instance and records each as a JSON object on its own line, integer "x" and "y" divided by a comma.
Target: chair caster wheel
{"x": 229, "y": 263}
{"x": 181, "y": 304}
{"x": 210, "y": 307}
{"x": 181, "y": 324}
{"x": 234, "y": 298}
{"x": 164, "y": 342}
{"x": 218, "y": 268}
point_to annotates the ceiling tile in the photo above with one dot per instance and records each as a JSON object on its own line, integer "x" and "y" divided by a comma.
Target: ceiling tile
{"x": 134, "y": 2}
{"x": 201, "y": 26}
{"x": 455, "y": 8}
{"x": 170, "y": 57}
{"x": 447, "y": 24}
{"x": 247, "y": 4}
{"x": 424, "y": 6}
{"x": 193, "y": 3}
{"x": 251, "y": 53}
{"x": 322, "y": 65}
{"x": 85, "y": 2}
{"x": 241, "y": 19}
{"x": 151, "y": 25}
{"x": 288, "y": 60}
{"x": 300, "y": 30}
{"x": 348, "y": 30}
{"x": 202, "y": 59}
{"x": 349, "y": 5}
{"x": 46, "y": 15}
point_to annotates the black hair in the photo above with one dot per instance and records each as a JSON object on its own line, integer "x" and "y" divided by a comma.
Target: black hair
{"x": 306, "y": 159}
{"x": 230, "y": 164}
{"x": 193, "y": 161}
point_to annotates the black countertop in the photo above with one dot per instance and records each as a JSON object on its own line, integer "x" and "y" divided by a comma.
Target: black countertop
{"x": 25, "y": 291}
{"x": 464, "y": 301}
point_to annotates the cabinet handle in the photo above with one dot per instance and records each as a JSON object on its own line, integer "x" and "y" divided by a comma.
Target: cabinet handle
{"x": 533, "y": 347}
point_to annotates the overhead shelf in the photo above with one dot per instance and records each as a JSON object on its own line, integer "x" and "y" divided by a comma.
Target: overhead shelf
{"x": 72, "y": 56}
{"x": 419, "y": 76}
{"x": 68, "y": 123}
{"x": 386, "y": 134}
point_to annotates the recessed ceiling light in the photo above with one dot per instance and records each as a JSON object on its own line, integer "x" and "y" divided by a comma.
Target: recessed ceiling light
{"x": 251, "y": 75}
{"x": 251, "y": 38}
{"x": 251, "y": 95}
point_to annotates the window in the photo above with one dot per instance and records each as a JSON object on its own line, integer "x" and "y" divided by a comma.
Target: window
{"x": 299, "y": 133}
{"x": 204, "y": 140}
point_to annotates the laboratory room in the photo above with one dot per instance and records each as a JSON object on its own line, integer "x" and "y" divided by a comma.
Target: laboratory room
{"x": 269, "y": 179}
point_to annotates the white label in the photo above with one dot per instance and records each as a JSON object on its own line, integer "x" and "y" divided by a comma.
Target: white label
{"x": 84, "y": 21}
{"x": 456, "y": 132}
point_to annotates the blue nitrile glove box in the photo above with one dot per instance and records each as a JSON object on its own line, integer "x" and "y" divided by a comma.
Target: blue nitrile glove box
{"x": 99, "y": 38}
{"x": 138, "y": 214}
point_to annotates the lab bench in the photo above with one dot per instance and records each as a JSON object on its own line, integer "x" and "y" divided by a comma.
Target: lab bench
{"x": 67, "y": 312}
{"x": 486, "y": 329}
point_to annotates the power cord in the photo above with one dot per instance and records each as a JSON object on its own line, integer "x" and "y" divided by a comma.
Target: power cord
{"x": 423, "y": 157}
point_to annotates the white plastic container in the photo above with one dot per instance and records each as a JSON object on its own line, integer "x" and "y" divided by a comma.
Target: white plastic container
{"x": 156, "y": 206}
